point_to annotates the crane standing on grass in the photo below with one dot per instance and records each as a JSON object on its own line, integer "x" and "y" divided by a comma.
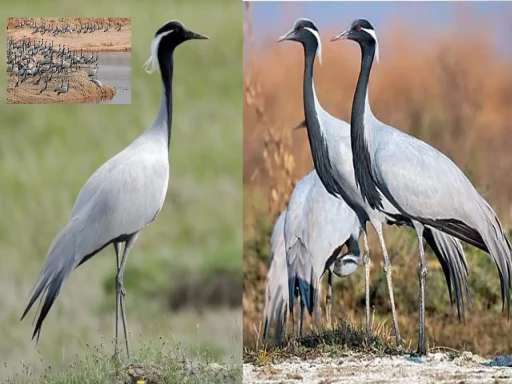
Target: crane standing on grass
{"x": 123, "y": 196}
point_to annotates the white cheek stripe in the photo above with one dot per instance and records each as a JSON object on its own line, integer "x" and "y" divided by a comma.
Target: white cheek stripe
{"x": 152, "y": 62}
{"x": 372, "y": 33}
{"x": 317, "y": 36}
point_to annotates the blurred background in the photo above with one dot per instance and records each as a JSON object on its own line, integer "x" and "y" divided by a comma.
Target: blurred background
{"x": 183, "y": 278}
{"x": 444, "y": 76}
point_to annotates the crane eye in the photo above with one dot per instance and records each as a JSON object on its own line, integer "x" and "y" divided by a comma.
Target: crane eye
{"x": 358, "y": 27}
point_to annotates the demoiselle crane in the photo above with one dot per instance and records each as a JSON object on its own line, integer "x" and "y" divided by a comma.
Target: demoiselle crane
{"x": 318, "y": 225}
{"x": 123, "y": 196}
{"x": 400, "y": 175}
{"x": 330, "y": 145}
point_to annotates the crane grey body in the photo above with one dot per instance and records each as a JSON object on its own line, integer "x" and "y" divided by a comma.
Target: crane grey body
{"x": 306, "y": 241}
{"x": 399, "y": 173}
{"x": 123, "y": 196}
{"x": 316, "y": 227}
{"x": 276, "y": 289}
{"x": 331, "y": 150}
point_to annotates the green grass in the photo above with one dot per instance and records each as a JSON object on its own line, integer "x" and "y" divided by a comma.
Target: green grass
{"x": 47, "y": 152}
{"x": 156, "y": 362}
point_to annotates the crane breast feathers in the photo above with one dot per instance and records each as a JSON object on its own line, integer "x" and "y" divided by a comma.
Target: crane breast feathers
{"x": 127, "y": 199}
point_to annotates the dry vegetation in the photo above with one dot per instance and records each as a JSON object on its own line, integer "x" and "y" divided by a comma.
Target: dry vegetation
{"x": 455, "y": 95}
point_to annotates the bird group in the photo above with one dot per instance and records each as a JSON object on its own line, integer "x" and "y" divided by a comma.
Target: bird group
{"x": 121, "y": 198}
{"x": 54, "y": 29}
{"x": 384, "y": 176}
{"x": 40, "y": 61}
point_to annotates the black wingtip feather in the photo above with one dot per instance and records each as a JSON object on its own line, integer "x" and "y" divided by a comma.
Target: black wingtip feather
{"x": 52, "y": 292}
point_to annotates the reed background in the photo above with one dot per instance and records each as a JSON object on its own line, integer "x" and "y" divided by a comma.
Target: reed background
{"x": 450, "y": 84}
{"x": 183, "y": 277}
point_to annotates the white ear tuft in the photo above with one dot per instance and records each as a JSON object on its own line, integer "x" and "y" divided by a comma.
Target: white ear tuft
{"x": 319, "y": 49}
{"x": 152, "y": 62}
{"x": 372, "y": 33}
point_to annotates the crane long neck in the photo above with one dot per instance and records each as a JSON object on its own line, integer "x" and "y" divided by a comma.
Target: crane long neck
{"x": 317, "y": 141}
{"x": 310, "y": 112}
{"x": 361, "y": 140}
{"x": 360, "y": 103}
{"x": 165, "y": 110}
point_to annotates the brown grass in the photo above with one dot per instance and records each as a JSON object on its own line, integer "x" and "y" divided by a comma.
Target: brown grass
{"x": 455, "y": 94}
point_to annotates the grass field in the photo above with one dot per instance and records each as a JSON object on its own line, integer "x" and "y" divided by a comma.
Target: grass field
{"x": 438, "y": 91}
{"x": 47, "y": 152}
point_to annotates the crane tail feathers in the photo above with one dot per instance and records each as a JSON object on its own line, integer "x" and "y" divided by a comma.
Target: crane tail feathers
{"x": 301, "y": 276}
{"x": 489, "y": 237}
{"x": 276, "y": 299}
{"x": 59, "y": 264}
{"x": 450, "y": 254}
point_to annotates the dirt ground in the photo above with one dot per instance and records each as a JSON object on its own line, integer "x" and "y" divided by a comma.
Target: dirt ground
{"x": 435, "y": 368}
{"x": 81, "y": 90}
{"x": 99, "y": 41}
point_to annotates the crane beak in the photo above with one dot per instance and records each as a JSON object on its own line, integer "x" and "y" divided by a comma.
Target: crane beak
{"x": 341, "y": 36}
{"x": 197, "y": 36}
{"x": 287, "y": 36}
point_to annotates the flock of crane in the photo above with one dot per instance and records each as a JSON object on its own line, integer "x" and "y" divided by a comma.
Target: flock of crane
{"x": 367, "y": 171}
{"x": 37, "y": 62}
{"x": 51, "y": 28}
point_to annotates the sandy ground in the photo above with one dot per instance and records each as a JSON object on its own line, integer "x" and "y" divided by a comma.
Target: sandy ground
{"x": 435, "y": 368}
{"x": 81, "y": 90}
{"x": 98, "y": 41}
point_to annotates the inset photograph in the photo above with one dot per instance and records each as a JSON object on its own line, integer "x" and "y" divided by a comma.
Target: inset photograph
{"x": 69, "y": 60}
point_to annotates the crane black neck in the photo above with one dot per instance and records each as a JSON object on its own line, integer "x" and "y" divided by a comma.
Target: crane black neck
{"x": 358, "y": 104}
{"x": 360, "y": 151}
{"x": 166, "y": 62}
{"x": 317, "y": 143}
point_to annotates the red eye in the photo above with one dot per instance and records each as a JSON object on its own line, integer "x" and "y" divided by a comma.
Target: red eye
{"x": 358, "y": 27}
{"x": 301, "y": 26}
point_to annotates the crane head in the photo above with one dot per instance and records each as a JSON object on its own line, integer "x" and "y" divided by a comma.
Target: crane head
{"x": 362, "y": 32}
{"x": 166, "y": 39}
{"x": 305, "y": 32}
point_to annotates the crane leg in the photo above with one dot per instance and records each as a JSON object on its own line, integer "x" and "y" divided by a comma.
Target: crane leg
{"x": 387, "y": 271}
{"x": 301, "y": 317}
{"x": 318, "y": 311}
{"x": 328, "y": 299}
{"x": 121, "y": 292}
{"x": 422, "y": 274}
{"x": 117, "y": 249}
{"x": 366, "y": 262}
